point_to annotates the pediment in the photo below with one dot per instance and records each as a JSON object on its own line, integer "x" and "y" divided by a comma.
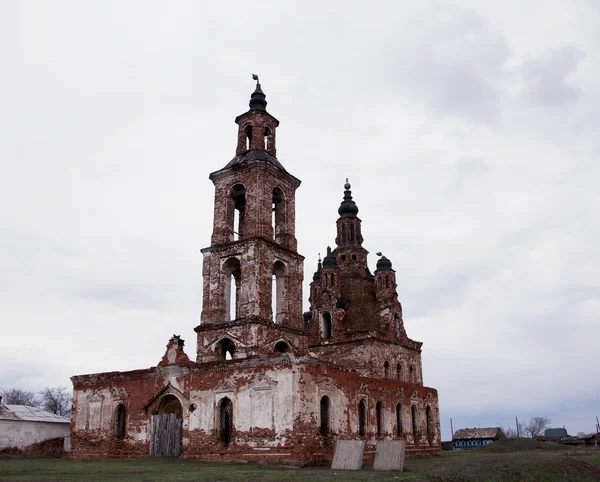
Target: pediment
{"x": 225, "y": 385}
{"x": 263, "y": 382}
{"x": 168, "y": 389}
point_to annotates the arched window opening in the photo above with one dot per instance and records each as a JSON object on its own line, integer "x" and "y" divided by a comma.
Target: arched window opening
{"x": 399, "y": 371}
{"x": 170, "y": 404}
{"x": 326, "y": 328}
{"x": 386, "y": 369}
{"x": 278, "y": 214}
{"x": 225, "y": 421}
{"x": 325, "y": 415}
{"x": 415, "y": 422}
{"x": 248, "y": 131}
{"x": 232, "y": 274}
{"x": 332, "y": 279}
{"x": 429, "y": 422}
{"x": 267, "y": 137}
{"x": 343, "y": 233}
{"x": 226, "y": 349}
{"x": 397, "y": 325}
{"x": 238, "y": 208}
{"x": 362, "y": 417}
{"x": 120, "y": 421}
{"x": 278, "y": 293}
{"x": 352, "y": 232}
{"x": 387, "y": 281}
{"x": 379, "y": 416}
{"x": 412, "y": 374}
{"x": 379, "y": 282}
{"x": 282, "y": 347}
{"x": 399, "y": 420}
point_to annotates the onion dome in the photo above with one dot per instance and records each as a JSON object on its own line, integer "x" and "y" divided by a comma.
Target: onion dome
{"x": 384, "y": 264}
{"x": 329, "y": 261}
{"x": 317, "y": 275}
{"x": 348, "y": 208}
{"x": 258, "y": 98}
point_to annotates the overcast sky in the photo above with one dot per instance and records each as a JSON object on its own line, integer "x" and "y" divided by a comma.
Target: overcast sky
{"x": 469, "y": 132}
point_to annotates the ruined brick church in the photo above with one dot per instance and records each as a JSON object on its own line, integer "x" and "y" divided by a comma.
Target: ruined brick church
{"x": 270, "y": 383}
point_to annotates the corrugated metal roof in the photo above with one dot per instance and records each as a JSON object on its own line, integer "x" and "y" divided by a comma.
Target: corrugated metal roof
{"x": 30, "y": 414}
{"x": 477, "y": 433}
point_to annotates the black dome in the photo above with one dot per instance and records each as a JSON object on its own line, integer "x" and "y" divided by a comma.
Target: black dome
{"x": 329, "y": 261}
{"x": 384, "y": 264}
{"x": 348, "y": 208}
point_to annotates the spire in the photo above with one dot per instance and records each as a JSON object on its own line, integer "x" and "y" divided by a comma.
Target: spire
{"x": 348, "y": 208}
{"x": 258, "y": 98}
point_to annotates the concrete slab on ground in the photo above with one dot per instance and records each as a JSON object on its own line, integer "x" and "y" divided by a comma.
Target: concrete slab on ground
{"x": 348, "y": 455}
{"x": 389, "y": 455}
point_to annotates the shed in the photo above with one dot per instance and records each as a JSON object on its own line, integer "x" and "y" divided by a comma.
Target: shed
{"x": 22, "y": 425}
{"x": 555, "y": 433}
{"x": 470, "y": 438}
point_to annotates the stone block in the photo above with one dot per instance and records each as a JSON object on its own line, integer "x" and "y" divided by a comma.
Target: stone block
{"x": 348, "y": 455}
{"x": 389, "y": 455}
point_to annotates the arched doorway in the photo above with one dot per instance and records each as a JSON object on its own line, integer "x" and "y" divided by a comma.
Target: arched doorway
{"x": 166, "y": 428}
{"x": 225, "y": 421}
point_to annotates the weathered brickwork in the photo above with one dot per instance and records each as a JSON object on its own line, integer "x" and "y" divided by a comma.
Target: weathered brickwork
{"x": 270, "y": 383}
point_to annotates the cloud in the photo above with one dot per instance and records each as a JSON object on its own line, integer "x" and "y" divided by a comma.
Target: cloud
{"x": 546, "y": 80}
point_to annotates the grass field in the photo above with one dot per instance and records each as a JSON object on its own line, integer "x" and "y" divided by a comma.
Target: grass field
{"x": 502, "y": 462}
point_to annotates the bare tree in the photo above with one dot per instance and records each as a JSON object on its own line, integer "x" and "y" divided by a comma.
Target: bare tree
{"x": 56, "y": 400}
{"x": 509, "y": 432}
{"x": 536, "y": 426}
{"x": 16, "y": 396}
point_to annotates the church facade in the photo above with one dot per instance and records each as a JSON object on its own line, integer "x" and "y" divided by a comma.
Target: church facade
{"x": 269, "y": 382}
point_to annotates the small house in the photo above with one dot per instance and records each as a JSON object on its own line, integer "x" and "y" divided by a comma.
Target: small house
{"x": 470, "y": 438}
{"x": 22, "y": 425}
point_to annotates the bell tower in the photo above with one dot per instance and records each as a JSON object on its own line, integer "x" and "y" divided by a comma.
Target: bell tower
{"x": 252, "y": 273}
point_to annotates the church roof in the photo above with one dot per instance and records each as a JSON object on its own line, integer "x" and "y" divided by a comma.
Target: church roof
{"x": 255, "y": 155}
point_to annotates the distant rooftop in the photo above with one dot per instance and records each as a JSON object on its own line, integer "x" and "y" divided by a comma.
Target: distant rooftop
{"x": 477, "y": 433}
{"x": 30, "y": 414}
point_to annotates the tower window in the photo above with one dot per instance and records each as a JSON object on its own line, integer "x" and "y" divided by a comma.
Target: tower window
{"x": 397, "y": 325}
{"x": 399, "y": 420}
{"x": 267, "y": 138}
{"x": 343, "y": 233}
{"x": 399, "y": 371}
{"x": 236, "y": 211}
{"x": 278, "y": 294}
{"x": 332, "y": 279}
{"x": 353, "y": 257}
{"x": 352, "y": 232}
{"x": 226, "y": 349}
{"x": 412, "y": 374}
{"x": 278, "y": 216}
{"x": 248, "y": 131}
{"x": 387, "y": 281}
{"x": 231, "y": 271}
{"x": 326, "y": 325}
{"x": 386, "y": 369}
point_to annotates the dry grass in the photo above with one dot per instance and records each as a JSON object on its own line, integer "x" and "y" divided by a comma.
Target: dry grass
{"x": 509, "y": 462}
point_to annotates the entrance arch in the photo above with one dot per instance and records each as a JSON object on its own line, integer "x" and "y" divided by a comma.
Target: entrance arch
{"x": 166, "y": 428}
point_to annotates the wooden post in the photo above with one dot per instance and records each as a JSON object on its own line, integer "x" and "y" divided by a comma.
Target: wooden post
{"x": 517, "y": 422}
